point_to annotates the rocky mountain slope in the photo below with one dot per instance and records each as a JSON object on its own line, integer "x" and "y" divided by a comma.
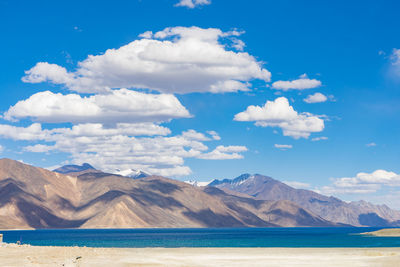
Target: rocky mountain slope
{"x": 32, "y": 197}
{"x": 330, "y": 208}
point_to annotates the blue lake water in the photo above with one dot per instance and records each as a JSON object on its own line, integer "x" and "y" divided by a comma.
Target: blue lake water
{"x": 228, "y": 237}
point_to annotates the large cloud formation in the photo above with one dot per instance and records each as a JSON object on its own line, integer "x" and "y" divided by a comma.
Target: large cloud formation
{"x": 116, "y": 126}
{"x": 279, "y": 113}
{"x": 116, "y": 106}
{"x": 143, "y": 146}
{"x": 175, "y": 60}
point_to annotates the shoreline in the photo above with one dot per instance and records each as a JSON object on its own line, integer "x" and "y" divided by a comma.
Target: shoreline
{"x": 27, "y": 255}
{"x": 386, "y": 232}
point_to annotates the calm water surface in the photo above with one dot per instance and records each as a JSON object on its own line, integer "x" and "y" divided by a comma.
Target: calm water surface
{"x": 231, "y": 237}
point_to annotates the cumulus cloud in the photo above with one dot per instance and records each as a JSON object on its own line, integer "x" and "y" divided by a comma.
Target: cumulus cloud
{"x": 32, "y": 132}
{"x": 117, "y": 106}
{"x": 35, "y": 131}
{"x": 300, "y": 84}
{"x": 98, "y": 129}
{"x": 315, "y": 98}
{"x": 279, "y": 113}
{"x": 192, "y": 3}
{"x": 38, "y": 148}
{"x": 363, "y": 183}
{"x": 174, "y": 60}
{"x": 283, "y": 147}
{"x": 193, "y": 135}
{"x": 224, "y": 152}
{"x": 144, "y": 146}
{"x": 370, "y": 144}
{"x": 45, "y": 72}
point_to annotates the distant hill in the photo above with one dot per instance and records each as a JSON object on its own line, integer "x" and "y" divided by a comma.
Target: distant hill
{"x": 68, "y": 169}
{"x": 32, "y": 197}
{"x": 332, "y": 209}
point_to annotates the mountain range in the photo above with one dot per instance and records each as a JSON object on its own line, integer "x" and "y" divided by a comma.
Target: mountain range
{"x": 82, "y": 197}
{"x": 359, "y": 213}
{"x": 34, "y": 198}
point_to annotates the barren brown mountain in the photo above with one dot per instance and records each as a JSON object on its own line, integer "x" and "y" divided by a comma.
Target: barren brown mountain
{"x": 359, "y": 213}
{"x": 32, "y": 197}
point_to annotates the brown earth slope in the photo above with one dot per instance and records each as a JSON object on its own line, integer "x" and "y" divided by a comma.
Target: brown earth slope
{"x": 32, "y": 197}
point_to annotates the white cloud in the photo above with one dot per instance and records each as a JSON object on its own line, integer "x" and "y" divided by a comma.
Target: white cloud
{"x": 45, "y": 72}
{"x": 230, "y": 149}
{"x": 129, "y": 129}
{"x": 283, "y": 147}
{"x": 315, "y": 98}
{"x": 370, "y": 144}
{"x": 319, "y": 138}
{"x": 192, "y": 3}
{"x": 238, "y": 44}
{"x": 117, "y": 106}
{"x": 38, "y": 148}
{"x": 395, "y": 57}
{"x": 123, "y": 146}
{"x": 214, "y": 135}
{"x": 300, "y": 84}
{"x": 175, "y": 60}
{"x": 224, "y": 152}
{"x": 363, "y": 183}
{"x": 279, "y": 113}
{"x": 1, "y": 148}
{"x": 394, "y": 69}
{"x": 32, "y": 132}
{"x": 193, "y": 135}
{"x": 35, "y": 132}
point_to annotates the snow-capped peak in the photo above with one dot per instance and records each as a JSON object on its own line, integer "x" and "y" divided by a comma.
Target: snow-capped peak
{"x": 132, "y": 173}
{"x": 196, "y": 183}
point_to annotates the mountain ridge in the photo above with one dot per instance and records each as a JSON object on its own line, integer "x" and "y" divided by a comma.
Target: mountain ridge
{"x": 74, "y": 168}
{"x": 36, "y": 198}
{"x": 359, "y": 213}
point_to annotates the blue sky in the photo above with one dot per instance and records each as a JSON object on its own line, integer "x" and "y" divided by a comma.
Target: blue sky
{"x": 350, "y": 48}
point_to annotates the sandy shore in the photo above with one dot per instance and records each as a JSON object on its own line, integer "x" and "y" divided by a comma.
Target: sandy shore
{"x": 13, "y": 255}
{"x": 389, "y": 232}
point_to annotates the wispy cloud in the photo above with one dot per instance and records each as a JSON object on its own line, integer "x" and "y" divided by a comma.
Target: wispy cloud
{"x": 283, "y": 147}
{"x": 192, "y": 3}
{"x": 319, "y": 138}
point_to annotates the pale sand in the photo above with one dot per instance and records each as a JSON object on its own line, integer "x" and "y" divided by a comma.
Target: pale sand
{"x": 389, "y": 232}
{"x": 13, "y": 255}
